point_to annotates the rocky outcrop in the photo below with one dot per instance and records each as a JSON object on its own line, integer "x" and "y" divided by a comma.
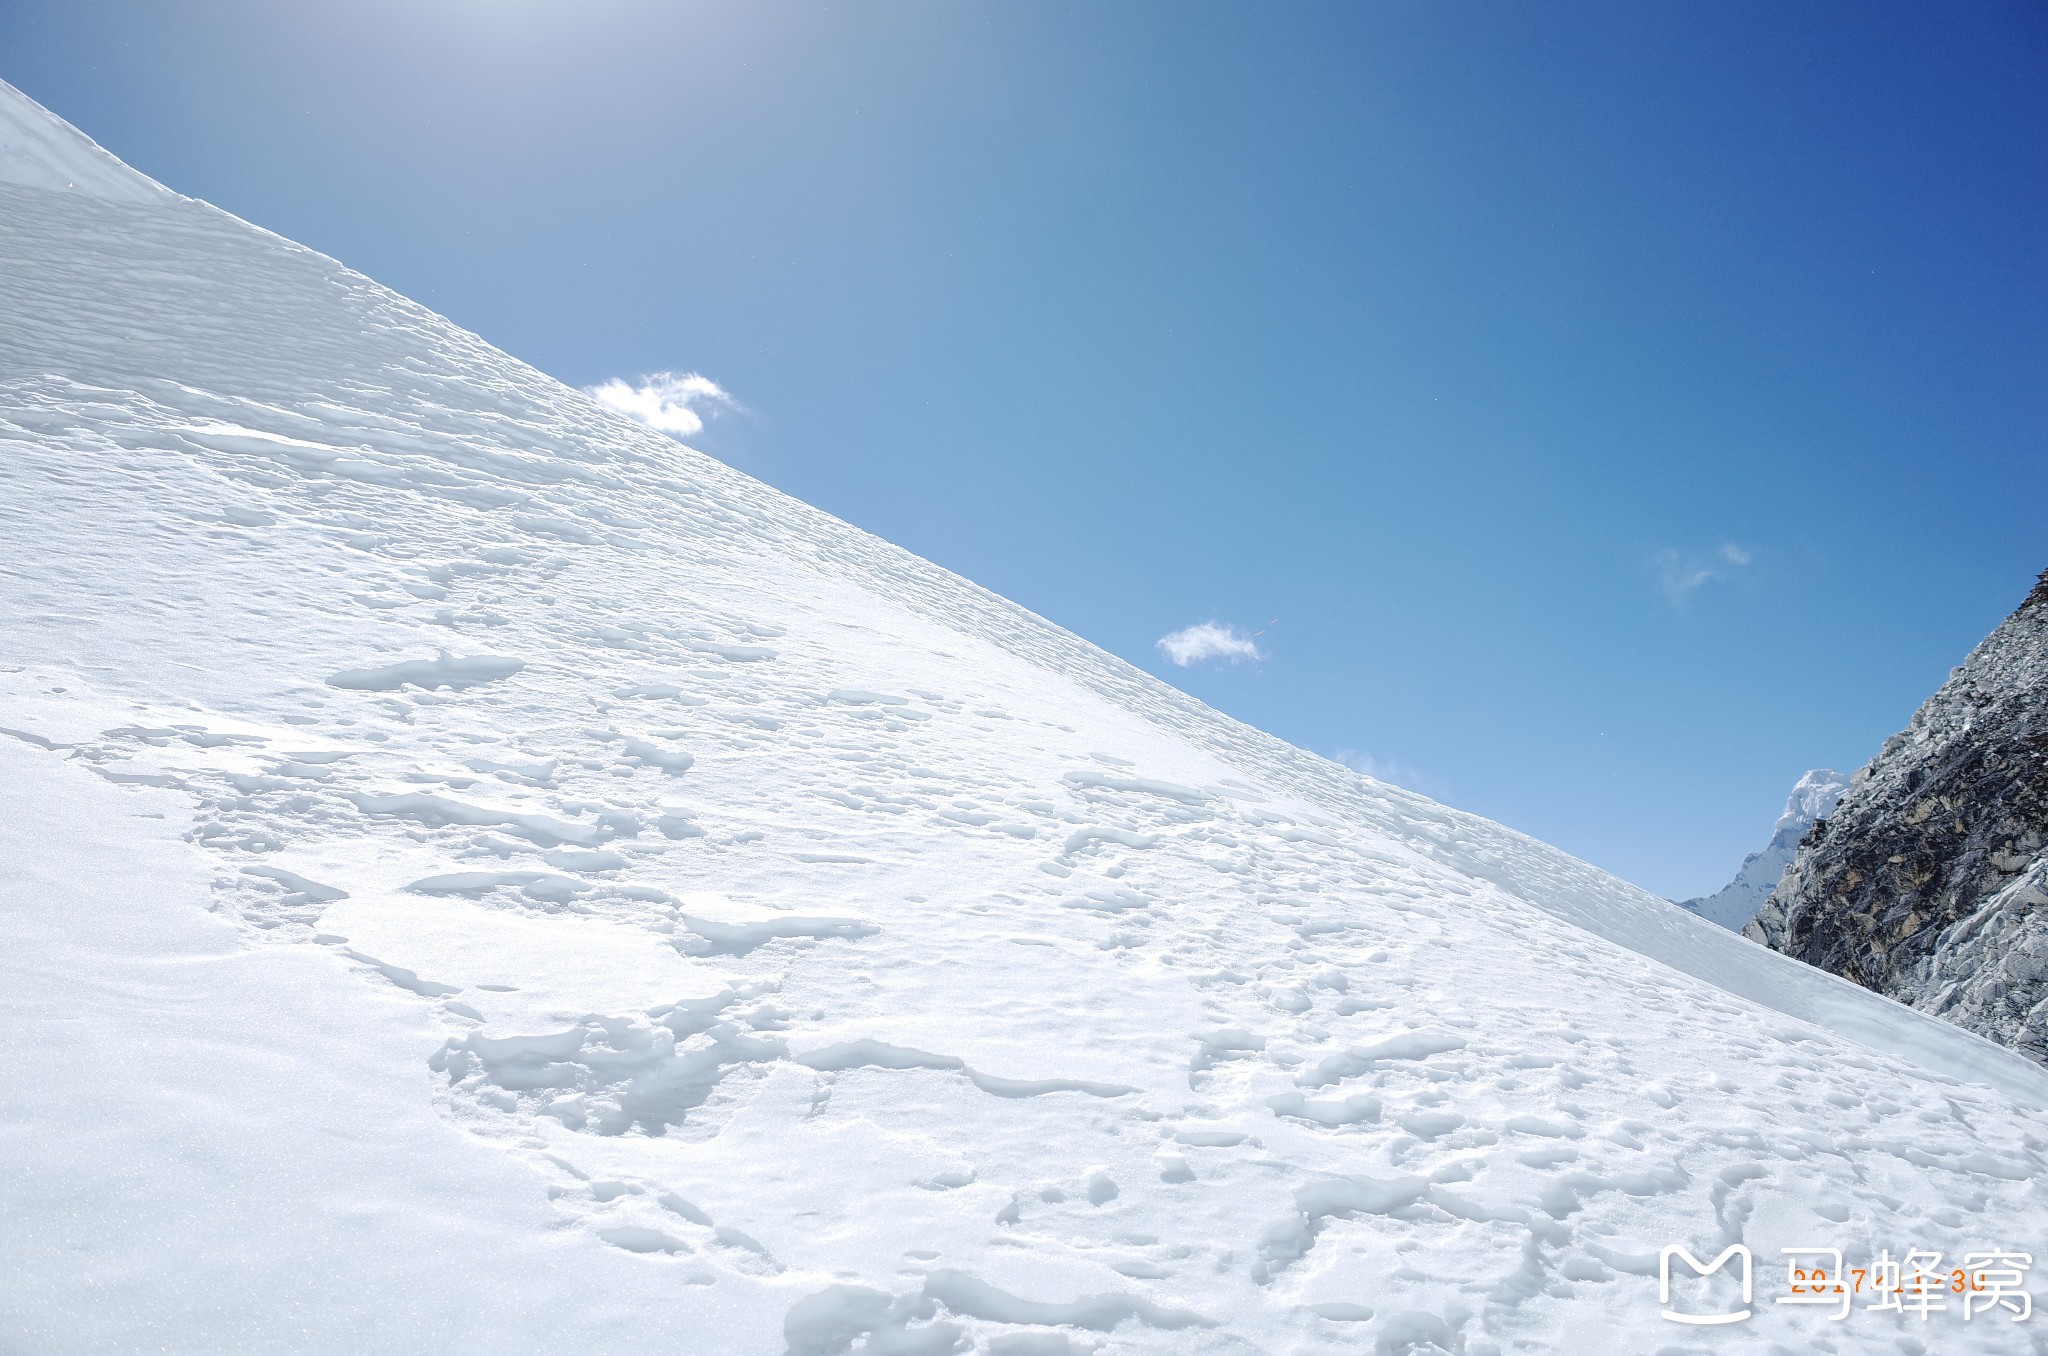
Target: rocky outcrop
{"x": 1929, "y": 882}
{"x": 1813, "y": 797}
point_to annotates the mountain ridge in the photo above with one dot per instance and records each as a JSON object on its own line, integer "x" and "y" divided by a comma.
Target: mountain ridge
{"x": 1928, "y": 883}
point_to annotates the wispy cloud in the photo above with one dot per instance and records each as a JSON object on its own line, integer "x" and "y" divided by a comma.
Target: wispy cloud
{"x": 674, "y": 402}
{"x": 1379, "y": 769}
{"x": 1206, "y": 641}
{"x": 1680, "y": 574}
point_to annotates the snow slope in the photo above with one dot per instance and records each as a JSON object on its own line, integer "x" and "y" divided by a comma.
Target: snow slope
{"x": 1813, "y": 797}
{"x": 41, "y": 151}
{"x": 484, "y": 877}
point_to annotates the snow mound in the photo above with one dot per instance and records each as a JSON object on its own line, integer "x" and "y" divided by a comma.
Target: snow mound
{"x": 485, "y": 877}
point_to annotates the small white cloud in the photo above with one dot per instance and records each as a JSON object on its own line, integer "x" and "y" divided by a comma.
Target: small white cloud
{"x": 669, "y": 401}
{"x": 1679, "y": 575}
{"x": 1379, "y": 769}
{"x": 1209, "y": 640}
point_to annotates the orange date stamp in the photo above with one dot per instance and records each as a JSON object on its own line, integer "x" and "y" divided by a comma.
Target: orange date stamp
{"x": 1985, "y": 1284}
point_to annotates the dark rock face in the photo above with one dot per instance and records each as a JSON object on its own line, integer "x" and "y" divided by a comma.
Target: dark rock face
{"x": 1929, "y": 882}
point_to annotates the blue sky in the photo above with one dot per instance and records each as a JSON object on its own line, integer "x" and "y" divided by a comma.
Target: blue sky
{"x": 1616, "y": 409}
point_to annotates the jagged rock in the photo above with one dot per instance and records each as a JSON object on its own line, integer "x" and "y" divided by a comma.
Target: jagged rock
{"x": 1813, "y": 797}
{"x": 1929, "y": 882}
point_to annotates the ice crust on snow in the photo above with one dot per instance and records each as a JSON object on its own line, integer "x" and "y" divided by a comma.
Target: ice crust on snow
{"x": 800, "y": 950}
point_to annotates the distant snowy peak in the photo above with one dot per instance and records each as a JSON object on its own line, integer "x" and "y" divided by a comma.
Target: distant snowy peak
{"x": 1814, "y": 797}
{"x": 1735, "y": 903}
{"x": 40, "y": 150}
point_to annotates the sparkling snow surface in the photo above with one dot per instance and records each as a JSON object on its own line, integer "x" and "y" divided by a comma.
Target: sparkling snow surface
{"x": 482, "y": 877}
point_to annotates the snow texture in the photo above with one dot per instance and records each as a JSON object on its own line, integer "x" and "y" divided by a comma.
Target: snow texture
{"x": 485, "y": 877}
{"x": 1734, "y": 904}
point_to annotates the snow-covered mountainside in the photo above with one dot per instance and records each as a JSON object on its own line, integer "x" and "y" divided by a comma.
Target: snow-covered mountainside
{"x": 483, "y": 877}
{"x": 1930, "y": 881}
{"x": 41, "y": 151}
{"x": 1813, "y": 797}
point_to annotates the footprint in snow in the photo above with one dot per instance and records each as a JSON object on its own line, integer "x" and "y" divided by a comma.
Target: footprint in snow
{"x": 450, "y": 671}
